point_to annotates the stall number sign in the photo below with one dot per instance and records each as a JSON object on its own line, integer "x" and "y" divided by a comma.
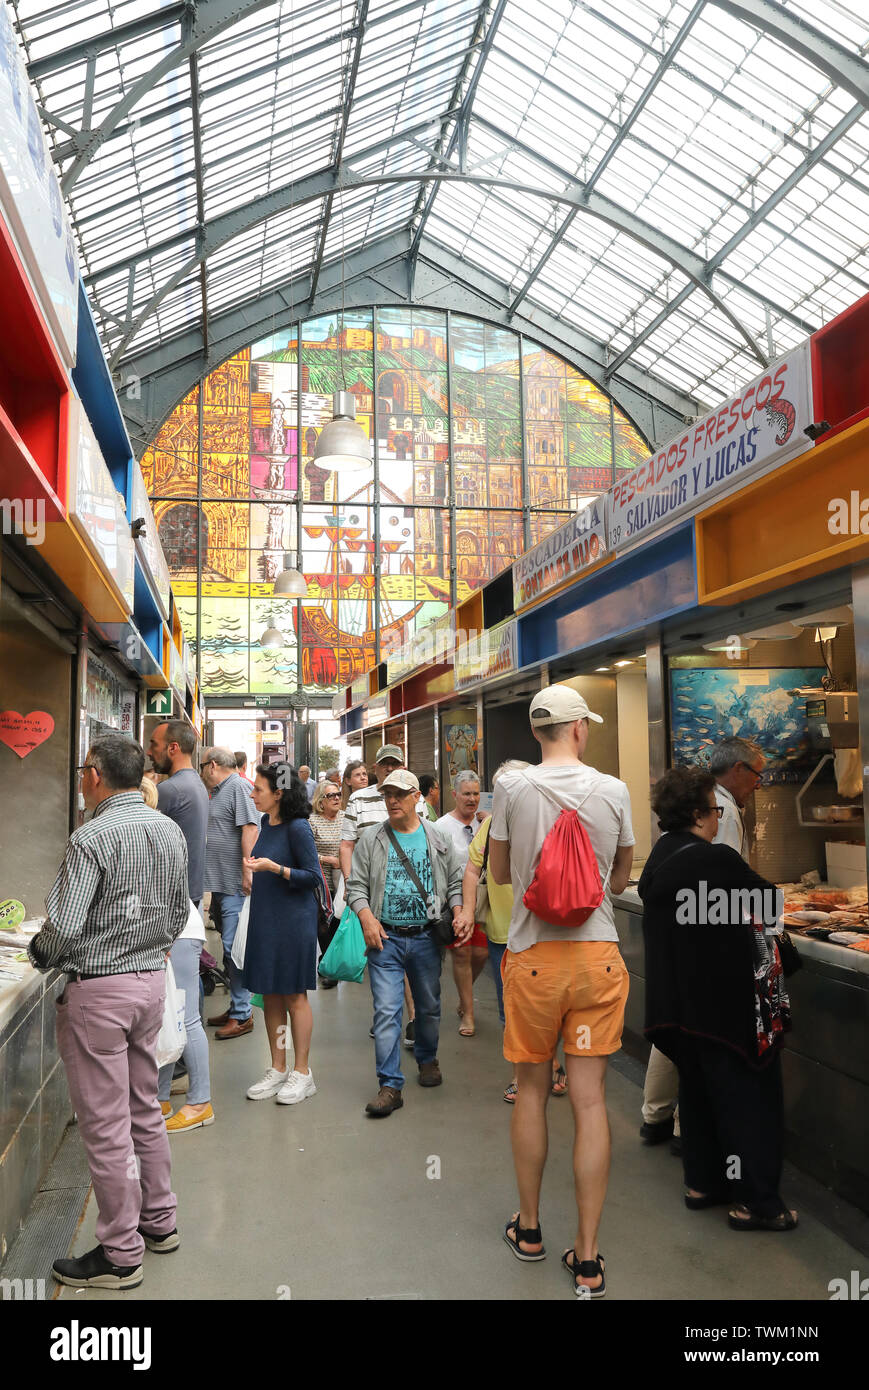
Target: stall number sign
{"x": 158, "y": 702}
{"x": 761, "y": 427}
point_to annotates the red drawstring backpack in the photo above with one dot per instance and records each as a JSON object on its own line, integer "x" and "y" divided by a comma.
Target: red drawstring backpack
{"x": 566, "y": 888}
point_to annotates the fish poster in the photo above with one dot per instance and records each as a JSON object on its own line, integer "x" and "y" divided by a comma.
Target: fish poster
{"x": 708, "y": 705}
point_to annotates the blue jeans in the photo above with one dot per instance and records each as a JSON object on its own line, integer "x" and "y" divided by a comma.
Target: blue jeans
{"x": 230, "y": 907}
{"x": 418, "y": 957}
{"x": 496, "y": 955}
{"x": 184, "y": 956}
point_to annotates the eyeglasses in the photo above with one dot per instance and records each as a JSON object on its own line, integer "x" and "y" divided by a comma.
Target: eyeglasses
{"x": 83, "y": 767}
{"x": 753, "y": 770}
{"x": 331, "y": 796}
{"x": 719, "y": 811}
{"x": 203, "y": 766}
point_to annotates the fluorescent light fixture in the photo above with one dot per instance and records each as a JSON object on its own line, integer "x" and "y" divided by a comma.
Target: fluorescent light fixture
{"x": 733, "y": 643}
{"x": 776, "y": 632}
{"x": 624, "y": 663}
{"x": 603, "y": 668}
{"x": 827, "y": 617}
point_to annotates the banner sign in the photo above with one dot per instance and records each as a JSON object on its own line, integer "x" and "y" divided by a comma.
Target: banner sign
{"x": 359, "y": 690}
{"x": 758, "y": 429}
{"x": 375, "y": 711}
{"x": 569, "y": 550}
{"x": 96, "y": 506}
{"x": 431, "y": 645}
{"x": 149, "y": 541}
{"x": 30, "y": 197}
{"x": 488, "y": 654}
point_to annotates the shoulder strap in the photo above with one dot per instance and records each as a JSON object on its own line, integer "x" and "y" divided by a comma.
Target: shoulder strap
{"x": 486, "y": 848}
{"x": 406, "y": 864}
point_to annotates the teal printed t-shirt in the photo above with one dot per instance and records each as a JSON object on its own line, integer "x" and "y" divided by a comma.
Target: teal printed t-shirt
{"x": 402, "y": 904}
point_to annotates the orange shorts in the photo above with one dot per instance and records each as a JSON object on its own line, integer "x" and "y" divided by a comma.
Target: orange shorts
{"x": 573, "y": 990}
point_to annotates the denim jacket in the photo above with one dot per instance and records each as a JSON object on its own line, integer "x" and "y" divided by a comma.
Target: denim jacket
{"x": 368, "y": 870}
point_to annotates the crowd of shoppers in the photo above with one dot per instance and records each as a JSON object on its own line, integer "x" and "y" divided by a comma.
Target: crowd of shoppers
{"x": 277, "y": 852}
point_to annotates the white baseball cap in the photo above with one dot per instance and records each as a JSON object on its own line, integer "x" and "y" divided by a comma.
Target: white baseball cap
{"x": 402, "y": 780}
{"x": 559, "y": 704}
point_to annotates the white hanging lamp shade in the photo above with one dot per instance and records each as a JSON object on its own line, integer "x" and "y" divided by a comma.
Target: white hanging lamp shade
{"x": 272, "y": 637}
{"x": 343, "y": 443}
{"x": 290, "y": 584}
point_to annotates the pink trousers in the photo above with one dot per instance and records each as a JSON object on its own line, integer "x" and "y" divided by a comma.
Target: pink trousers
{"x": 106, "y": 1034}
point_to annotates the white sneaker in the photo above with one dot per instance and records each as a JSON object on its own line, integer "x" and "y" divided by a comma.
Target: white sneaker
{"x": 296, "y": 1087}
{"x": 269, "y": 1086}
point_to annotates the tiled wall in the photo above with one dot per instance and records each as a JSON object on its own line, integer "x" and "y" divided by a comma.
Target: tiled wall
{"x": 34, "y": 1103}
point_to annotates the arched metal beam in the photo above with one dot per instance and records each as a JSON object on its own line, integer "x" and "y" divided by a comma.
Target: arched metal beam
{"x": 843, "y": 67}
{"x": 151, "y": 383}
{"x": 223, "y": 229}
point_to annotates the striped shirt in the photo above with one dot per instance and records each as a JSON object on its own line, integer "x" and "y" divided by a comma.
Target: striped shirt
{"x": 366, "y": 808}
{"x": 120, "y": 896}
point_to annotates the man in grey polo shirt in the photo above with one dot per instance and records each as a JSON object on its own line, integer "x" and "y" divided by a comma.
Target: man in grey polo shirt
{"x": 233, "y": 828}
{"x": 182, "y": 797}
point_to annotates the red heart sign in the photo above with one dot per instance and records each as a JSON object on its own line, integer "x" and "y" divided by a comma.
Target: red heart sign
{"x": 24, "y": 732}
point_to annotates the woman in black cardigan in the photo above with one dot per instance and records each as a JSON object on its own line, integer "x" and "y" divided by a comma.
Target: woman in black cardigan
{"x": 716, "y": 1005}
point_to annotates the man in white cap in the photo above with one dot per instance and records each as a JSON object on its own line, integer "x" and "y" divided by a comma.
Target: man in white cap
{"x": 567, "y": 982}
{"x": 404, "y": 872}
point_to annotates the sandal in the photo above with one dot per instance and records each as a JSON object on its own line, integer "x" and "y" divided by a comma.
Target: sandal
{"x": 511, "y": 1093}
{"x": 467, "y": 1030}
{"x": 785, "y": 1221}
{"x": 585, "y": 1269}
{"x": 531, "y": 1236}
{"x": 559, "y": 1081}
{"x": 709, "y": 1199}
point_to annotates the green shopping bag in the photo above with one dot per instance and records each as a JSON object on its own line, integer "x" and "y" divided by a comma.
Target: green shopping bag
{"x": 256, "y": 1000}
{"x": 346, "y": 957}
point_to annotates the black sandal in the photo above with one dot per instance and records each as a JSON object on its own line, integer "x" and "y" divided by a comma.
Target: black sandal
{"x": 585, "y": 1269}
{"x": 784, "y": 1221}
{"x": 529, "y": 1235}
{"x": 709, "y": 1200}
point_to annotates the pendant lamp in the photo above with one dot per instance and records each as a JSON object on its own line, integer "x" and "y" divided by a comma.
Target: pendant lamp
{"x": 343, "y": 444}
{"x": 290, "y": 583}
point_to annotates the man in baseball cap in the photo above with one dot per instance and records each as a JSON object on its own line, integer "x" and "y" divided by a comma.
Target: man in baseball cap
{"x": 561, "y": 983}
{"x": 405, "y": 873}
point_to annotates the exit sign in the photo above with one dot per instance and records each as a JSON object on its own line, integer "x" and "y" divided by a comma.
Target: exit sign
{"x": 158, "y": 702}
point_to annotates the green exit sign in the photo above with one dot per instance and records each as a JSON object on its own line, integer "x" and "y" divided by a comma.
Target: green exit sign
{"x": 158, "y": 702}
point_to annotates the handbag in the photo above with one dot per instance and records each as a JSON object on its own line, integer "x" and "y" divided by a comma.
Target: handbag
{"x": 441, "y": 922}
{"x": 791, "y": 960}
{"x": 172, "y": 1037}
{"x": 481, "y": 902}
{"x": 347, "y": 956}
{"x": 327, "y": 922}
{"x": 239, "y": 941}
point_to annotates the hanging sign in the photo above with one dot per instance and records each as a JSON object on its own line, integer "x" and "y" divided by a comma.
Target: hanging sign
{"x": 24, "y": 732}
{"x": 128, "y": 712}
{"x": 488, "y": 654}
{"x": 758, "y": 429}
{"x": 158, "y": 702}
{"x": 561, "y": 556}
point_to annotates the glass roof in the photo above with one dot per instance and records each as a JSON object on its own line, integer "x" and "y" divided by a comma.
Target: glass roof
{"x": 681, "y": 185}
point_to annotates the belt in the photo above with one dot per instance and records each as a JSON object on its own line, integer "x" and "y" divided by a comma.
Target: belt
{"x": 74, "y": 975}
{"x": 408, "y": 931}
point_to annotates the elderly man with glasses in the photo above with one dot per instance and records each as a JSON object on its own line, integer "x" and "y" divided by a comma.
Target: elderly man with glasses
{"x": 737, "y": 767}
{"x": 118, "y": 903}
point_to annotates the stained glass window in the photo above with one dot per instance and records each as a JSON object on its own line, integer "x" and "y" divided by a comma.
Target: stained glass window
{"x": 481, "y": 442}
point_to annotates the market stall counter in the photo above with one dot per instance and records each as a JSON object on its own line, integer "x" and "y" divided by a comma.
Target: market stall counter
{"x": 825, "y": 1060}
{"x": 35, "y": 1107}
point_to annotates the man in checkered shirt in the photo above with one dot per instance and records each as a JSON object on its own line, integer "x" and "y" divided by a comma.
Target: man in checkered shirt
{"x": 117, "y": 904}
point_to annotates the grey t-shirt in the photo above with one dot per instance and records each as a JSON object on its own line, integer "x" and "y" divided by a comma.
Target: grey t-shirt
{"x": 183, "y": 798}
{"x": 231, "y": 807}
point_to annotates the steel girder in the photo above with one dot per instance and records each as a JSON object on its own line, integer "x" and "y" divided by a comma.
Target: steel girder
{"x": 318, "y": 185}
{"x": 152, "y": 383}
{"x": 712, "y": 265}
{"x": 617, "y": 140}
{"x": 843, "y": 67}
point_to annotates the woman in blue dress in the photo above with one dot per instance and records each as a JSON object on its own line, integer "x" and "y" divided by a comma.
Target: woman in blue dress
{"x": 280, "y": 959}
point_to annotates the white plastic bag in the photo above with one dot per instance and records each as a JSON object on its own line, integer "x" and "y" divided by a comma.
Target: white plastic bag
{"x": 172, "y": 1038}
{"x": 338, "y": 902}
{"x": 239, "y": 941}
